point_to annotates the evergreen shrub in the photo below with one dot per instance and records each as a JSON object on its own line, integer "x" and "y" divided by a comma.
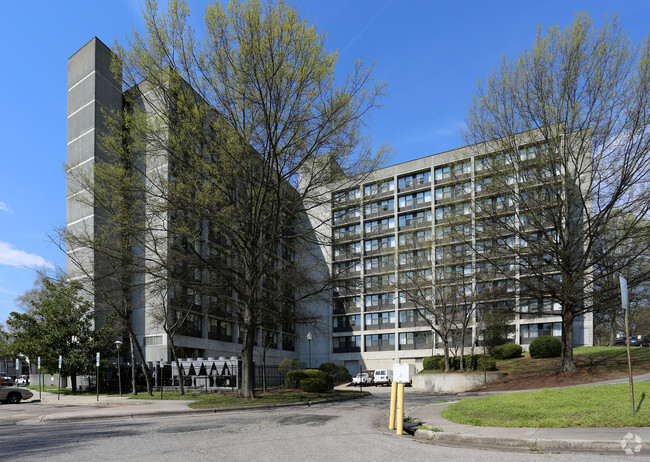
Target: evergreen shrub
{"x": 314, "y": 385}
{"x": 545, "y": 347}
{"x": 294, "y": 378}
{"x": 507, "y": 351}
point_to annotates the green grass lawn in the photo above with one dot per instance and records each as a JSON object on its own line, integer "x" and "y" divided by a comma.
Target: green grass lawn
{"x": 279, "y": 396}
{"x": 586, "y": 406}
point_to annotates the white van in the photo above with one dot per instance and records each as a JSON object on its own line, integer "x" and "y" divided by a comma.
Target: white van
{"x": 383, "y": 377}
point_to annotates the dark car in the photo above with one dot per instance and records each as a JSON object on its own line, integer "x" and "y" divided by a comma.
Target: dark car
{"x": 634, "y": 341}
{"x": 645, "y": 341}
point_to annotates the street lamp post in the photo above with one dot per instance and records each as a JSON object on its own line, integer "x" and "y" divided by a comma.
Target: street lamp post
{"x": 118, "y": 344}
{"x": 309, "y": 337}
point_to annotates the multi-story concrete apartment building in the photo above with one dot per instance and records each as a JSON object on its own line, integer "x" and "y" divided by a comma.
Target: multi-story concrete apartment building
{"x": 210, "y": 326}
{"x": 412, "y": 233}
{"x": 411, "y": 222}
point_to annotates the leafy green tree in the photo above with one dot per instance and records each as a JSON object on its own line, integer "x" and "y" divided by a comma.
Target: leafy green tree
{"x": 569, "y": 121}
{"x": 58, "y": 322}
{"x": 243, "y": 134}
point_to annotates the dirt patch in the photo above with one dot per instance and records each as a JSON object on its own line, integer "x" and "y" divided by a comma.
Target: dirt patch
{"x": 527, "y": 373}
{"x": 551, "y": 380}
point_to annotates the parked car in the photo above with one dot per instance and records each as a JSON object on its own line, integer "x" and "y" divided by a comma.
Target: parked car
{"x": 14, "y": 395}
{"x": 634, "y": 341}
{"x": 22, "y": 380}
{"x": 383, "y": 377}
{"x": 645, "y": 341}
{"x": 6, "y": 380}
{"x": 362, "y": 378}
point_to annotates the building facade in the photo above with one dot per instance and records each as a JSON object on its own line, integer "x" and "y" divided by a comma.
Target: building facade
{"x": 209, "y": 326}
{"x": 408, "y": 237}
{"x": 412, "y": 240}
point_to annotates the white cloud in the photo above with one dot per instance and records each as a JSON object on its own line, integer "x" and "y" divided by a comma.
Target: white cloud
{"x": 4, "y": 207}
{"x": 5, "y": 291}
{"x": 20, "y": 259}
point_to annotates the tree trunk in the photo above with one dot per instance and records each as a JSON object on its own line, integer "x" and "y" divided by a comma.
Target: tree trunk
{"x": 248, "y": 350}
{"x": 612, "y": 326}
{"x": 462, "y": 350}
{"x": 178, "y": 364}
{"x": 134, "y": 389}
{"x": 445, "y": 346}
{"x": 145, "y": 368}
{"x": 264, "y": 370}
{"x": 567, "y": 340}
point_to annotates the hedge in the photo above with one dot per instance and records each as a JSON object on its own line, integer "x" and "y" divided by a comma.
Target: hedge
{"x": 314, "y": 385}
{"x": 545, "y": 347}
{"x": 432, "y": 362}
{"x": 339, "y": 372}
{"x": 437, "y": 362}
{"x": 293, "y": 379}
{"x": 507, "y": 351}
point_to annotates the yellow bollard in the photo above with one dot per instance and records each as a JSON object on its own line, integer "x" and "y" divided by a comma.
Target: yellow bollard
{"x": 393, "y": 402}
{"x": 400, "y": 408}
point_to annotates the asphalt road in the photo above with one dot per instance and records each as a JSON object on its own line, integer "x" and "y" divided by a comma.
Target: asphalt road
{"x": 347, "y": 431}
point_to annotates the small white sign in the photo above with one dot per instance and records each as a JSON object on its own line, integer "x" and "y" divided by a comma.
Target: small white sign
{"x": 60, "y": 359}
{"x": 97, "y": 359}
{"x": 401, "y": 373}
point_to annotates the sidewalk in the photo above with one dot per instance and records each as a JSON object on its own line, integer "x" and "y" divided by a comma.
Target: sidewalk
{"x": 71, "y": 408}
{"x": 636, "y": 440}
{"x": 84, "y": 407}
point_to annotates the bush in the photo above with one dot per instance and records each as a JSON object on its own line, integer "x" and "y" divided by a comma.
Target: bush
{"x": 545, "y": 347}
{"x": 340, "y": 373}
{"x": 314, "y": 385}
{"x": 293, "y": 379}
{"x": 489, "y": 361}
{"x": 469, "y": 363}
{"x": 507, "y": 351}
{"x": 433, "y": 362}
{"x": 288, "y": 364}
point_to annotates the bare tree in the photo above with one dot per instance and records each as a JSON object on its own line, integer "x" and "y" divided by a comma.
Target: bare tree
{"x": 568, "y": 123}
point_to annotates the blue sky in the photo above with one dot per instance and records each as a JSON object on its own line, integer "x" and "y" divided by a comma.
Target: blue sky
{"x": 431, "y": 53}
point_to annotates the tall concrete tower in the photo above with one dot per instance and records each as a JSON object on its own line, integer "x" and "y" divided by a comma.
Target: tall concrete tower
{"x": 93, "y": 90}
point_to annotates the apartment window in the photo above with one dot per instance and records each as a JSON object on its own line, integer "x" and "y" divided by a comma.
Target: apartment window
{"x": 415, "y": 218}
{"x": 346, "y": 344}
{"x": 483, "y": 185}
{"x": 372, "y": 245}
{"x": 153, "y": 340}
{"x": 444, "y": 192}
{"x": 462, "y": 168}
{"x": 414, "y": 180}
{"x": 444, "y": 212}
{"x": 415, "y": 340}
{"x": 407, "y": 316}
{"x": 387, "y": 242}
{"x": 481, "y": 164}
{"x": 528, "y": 153}
{"x": 442, "y": 173}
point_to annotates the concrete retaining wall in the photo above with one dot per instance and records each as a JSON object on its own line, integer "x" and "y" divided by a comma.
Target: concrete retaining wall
{"x": 454, "y": 382}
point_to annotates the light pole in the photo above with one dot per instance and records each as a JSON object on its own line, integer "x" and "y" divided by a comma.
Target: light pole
{"x": 309, "y": 337}
{"x": 118, "y": 344}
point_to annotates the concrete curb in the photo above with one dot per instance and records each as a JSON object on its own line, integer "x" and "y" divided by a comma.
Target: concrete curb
{"x": 87, "y": 416}
{"x": 532, "y": 444}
